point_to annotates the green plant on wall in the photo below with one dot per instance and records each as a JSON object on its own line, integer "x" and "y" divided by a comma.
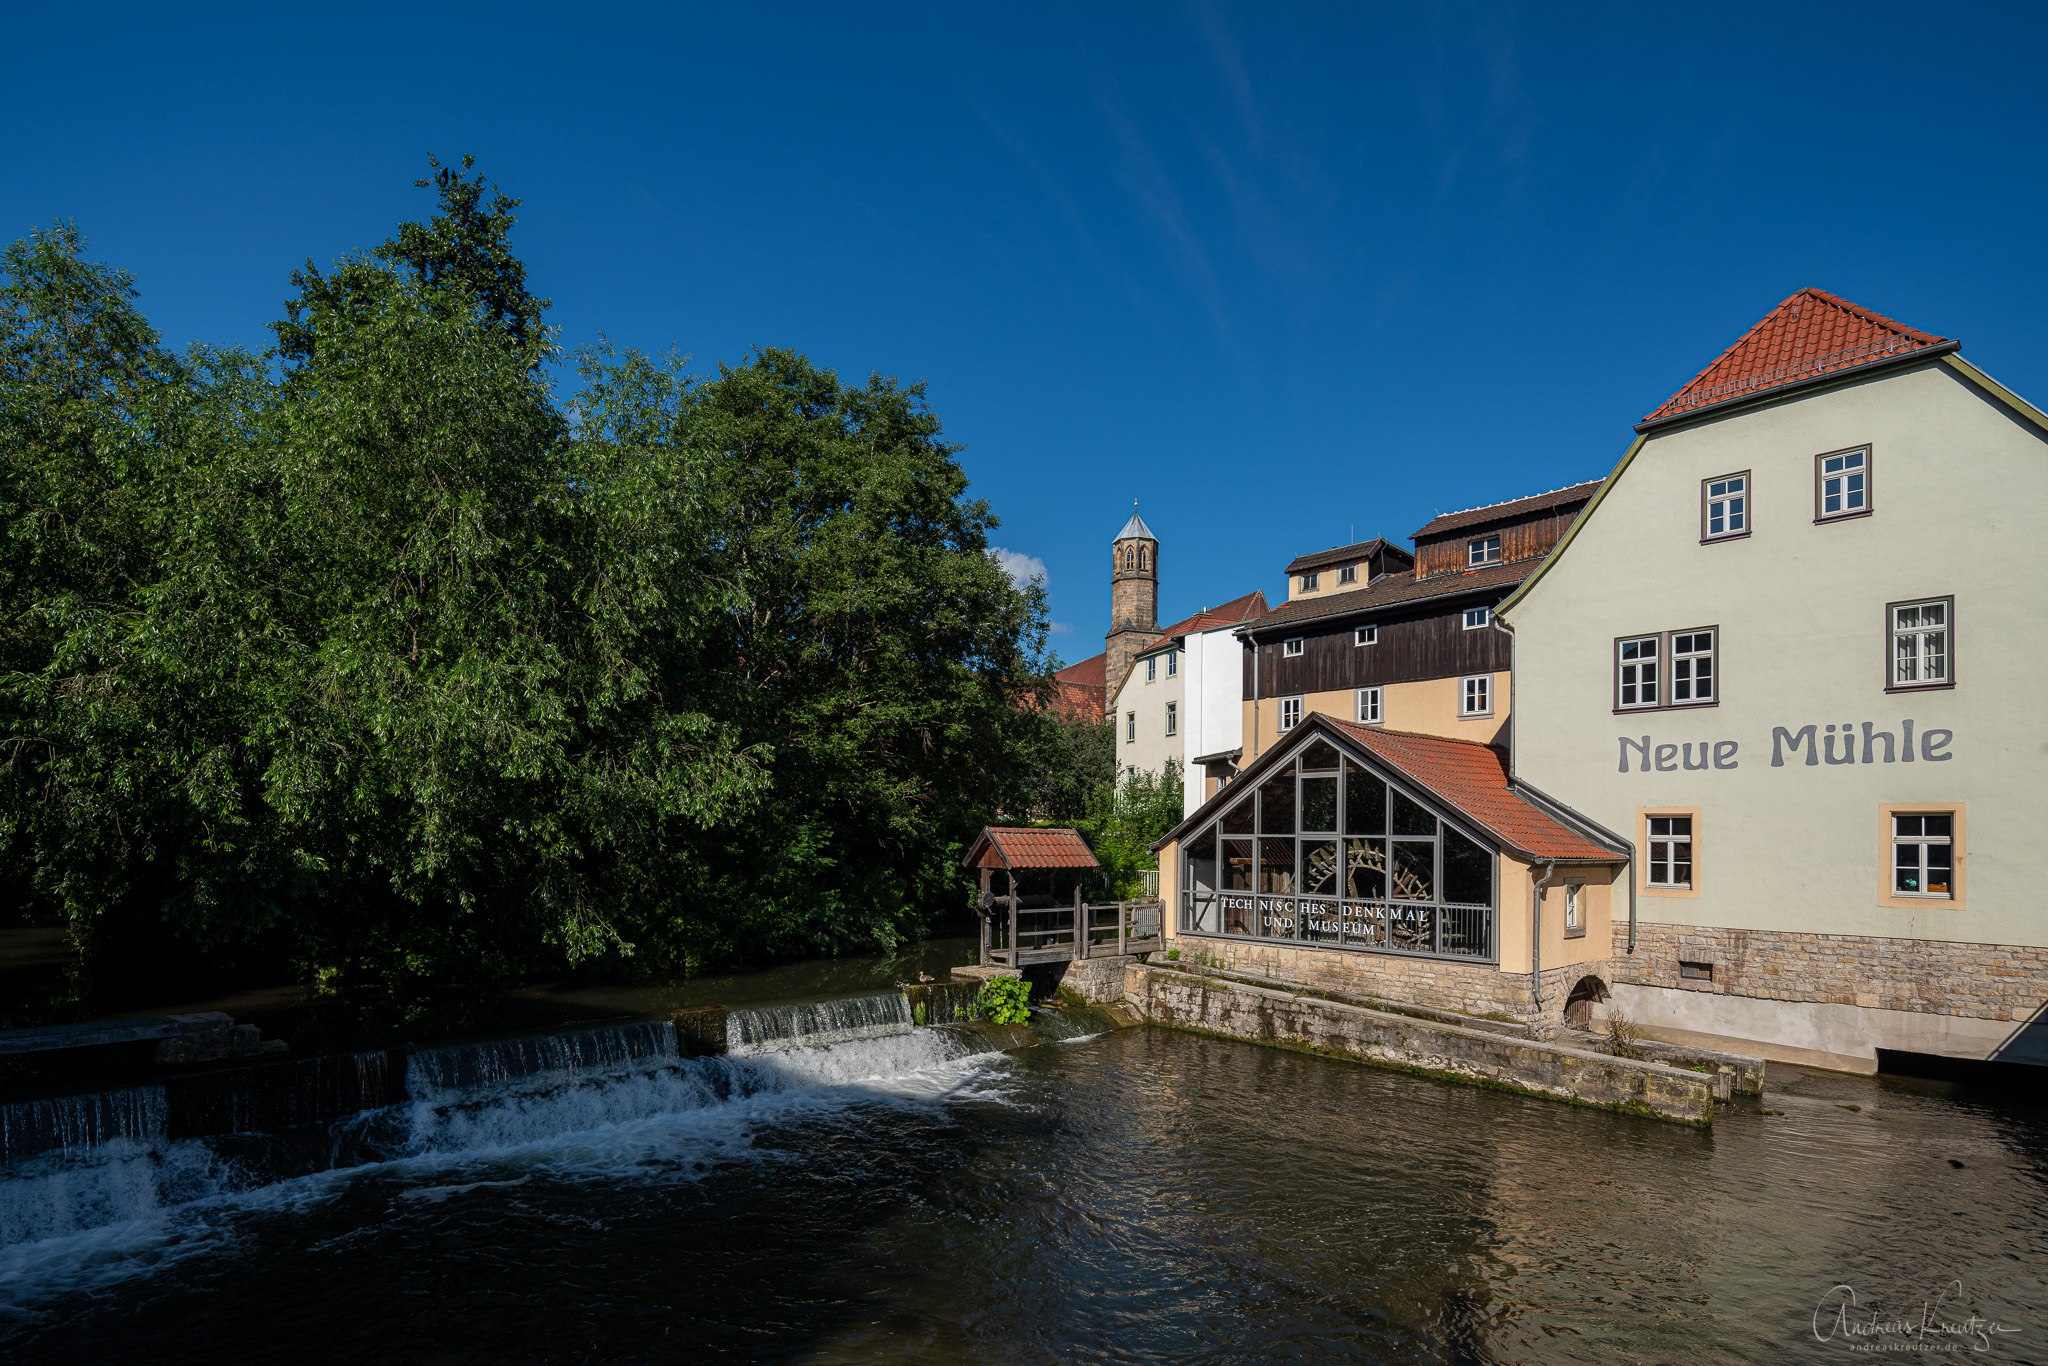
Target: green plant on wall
{"x": 1005, "y": 1001}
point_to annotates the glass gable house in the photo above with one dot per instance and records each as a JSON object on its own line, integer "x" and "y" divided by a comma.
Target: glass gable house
{"x": 1327, "y": 850}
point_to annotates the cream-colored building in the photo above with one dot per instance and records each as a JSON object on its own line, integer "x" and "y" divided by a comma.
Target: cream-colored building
{"x": 1159, "y": 708}
{"x": 1793, "y": 650}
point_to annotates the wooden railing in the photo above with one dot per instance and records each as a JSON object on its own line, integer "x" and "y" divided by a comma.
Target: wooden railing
{"x": 1014, "y": 934}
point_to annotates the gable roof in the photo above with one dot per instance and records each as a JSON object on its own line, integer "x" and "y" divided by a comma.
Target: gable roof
{"x": 1811, "y": 334}
{"x": 1501, "y": 512}
{"x": 1002, "y": 846}
{"x": 1397, "y": 591}
{"x": 1081, "y": 688}
{"x": 1345, "y": 554}
{"x": 1136, "y": 527}
{"x": 1467, "y": 779}
{"x": 1250, "y": 607}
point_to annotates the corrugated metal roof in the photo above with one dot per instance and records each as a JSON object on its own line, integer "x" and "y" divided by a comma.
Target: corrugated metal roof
{"x": 1136, "y": 527}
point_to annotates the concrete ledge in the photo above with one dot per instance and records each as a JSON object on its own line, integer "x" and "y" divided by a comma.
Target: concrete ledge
{"x": 1255, "y": 1014}
{"x": 1515, "y": 1028}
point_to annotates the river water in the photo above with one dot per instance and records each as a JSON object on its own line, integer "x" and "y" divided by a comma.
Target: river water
{"x": 1137, "y": 1195}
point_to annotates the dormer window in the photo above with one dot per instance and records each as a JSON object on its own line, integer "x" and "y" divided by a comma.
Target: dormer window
{"x": 1482, "y": 550}
{"x": 1348, "y": 574}
{"x": 1309, "y": 582}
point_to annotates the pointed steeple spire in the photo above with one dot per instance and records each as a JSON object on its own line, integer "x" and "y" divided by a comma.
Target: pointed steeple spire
{"x": 1136, "y": 528}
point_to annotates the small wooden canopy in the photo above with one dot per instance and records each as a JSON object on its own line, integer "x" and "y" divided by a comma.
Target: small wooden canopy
{"x": 1014, "y": 847}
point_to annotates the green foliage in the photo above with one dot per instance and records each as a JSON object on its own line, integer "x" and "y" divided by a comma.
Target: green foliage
{"x": 381, "y": 652}
{"x": 1004, "y": 1001}
{"x": 1069, "y": 763}
{"x": 1124, "y": 819}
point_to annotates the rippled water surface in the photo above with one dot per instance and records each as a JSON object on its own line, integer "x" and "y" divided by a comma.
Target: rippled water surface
{"x": 1135, "y": 1196}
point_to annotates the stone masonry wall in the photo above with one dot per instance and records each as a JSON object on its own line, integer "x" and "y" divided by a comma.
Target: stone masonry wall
{"x": 1983, "y": 981}
{"x": 1469, "y": 988}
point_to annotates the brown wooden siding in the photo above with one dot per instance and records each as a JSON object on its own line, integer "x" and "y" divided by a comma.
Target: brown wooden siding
{"x": 1522, "y": 539}
{"x": 1411, "y": 648}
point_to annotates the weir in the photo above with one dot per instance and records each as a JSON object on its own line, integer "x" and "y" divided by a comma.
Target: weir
{"x": 809, "y": 1024}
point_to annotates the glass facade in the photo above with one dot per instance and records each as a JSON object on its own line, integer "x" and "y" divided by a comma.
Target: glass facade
{"x": 1327, "y": 851}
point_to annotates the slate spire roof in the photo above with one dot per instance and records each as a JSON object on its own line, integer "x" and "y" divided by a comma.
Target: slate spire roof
{"x": 1136, "y": 527}
{"x": 1813, "y": 333}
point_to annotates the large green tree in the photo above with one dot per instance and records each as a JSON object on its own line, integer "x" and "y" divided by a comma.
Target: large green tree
{"x": 378, "y": 648}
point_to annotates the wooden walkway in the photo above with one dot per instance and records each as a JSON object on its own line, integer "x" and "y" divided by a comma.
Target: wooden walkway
{"x": 1016, "y": 935}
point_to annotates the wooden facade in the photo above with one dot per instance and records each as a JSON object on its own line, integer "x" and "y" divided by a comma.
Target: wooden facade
{"x": 1417, "y": 641}
{"x": 1527, "y": 537}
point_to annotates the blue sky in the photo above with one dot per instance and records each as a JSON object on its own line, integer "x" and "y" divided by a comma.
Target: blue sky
{"x": 1286, "y": 275}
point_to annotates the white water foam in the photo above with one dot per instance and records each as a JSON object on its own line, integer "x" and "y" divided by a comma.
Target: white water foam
{"x": 84, "y": 1220}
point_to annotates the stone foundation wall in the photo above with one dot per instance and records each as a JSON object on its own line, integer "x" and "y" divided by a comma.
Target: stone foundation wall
{"x": 1469, "y": 988}
{"x": 1263, "y": 1015}
{"x": 1927, "y": 976}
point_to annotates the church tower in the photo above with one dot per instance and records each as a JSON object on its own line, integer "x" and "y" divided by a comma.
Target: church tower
{"x": 1133, "y": 599}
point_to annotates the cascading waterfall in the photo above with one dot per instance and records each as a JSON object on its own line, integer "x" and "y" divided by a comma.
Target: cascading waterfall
{"x": 102, "y": 1186}
{"x": 769, "y": 1029}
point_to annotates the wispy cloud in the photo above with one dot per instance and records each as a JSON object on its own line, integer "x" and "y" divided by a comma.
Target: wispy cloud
{"x": 1060, "y": 628}
{"x": 1021, "y": 568}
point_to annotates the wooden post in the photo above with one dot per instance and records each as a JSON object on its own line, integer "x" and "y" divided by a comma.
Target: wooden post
{"x": 1080, "y": 921}
{"x": 1013, "y": 919}
{"x": 983, "y": 916}
{"x": 1122, "y": 914}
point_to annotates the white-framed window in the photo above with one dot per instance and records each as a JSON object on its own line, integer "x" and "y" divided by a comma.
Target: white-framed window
{"x": 1348, "y": 574}
{"x": 1366, "y": 635}
{"x": 1724, "y": 506}
{"x": 1692, "y": 667}
{"x": 1172, "y": 663}
{"x": 1130, "y": 727}
{"x": 1477, "y": 617}
{"x": 1574, "y": 909}
{"x": 1923, "y": 646}
{"x": 1369, "y": 706}
{"x": 1635, "y": 671}
{"x": 1290, "y": 712}
{"x": 1291, "y": 648}
{"x": 1482, "y": 550}
{"x": 1671, "y": 851}
{"x": 1923, "y": 855}
{"x": 1173, "y": 718}
{"x": 1309, "y": 582}
{"x": 1475, "y": 695}
{"x": 1152, "y": 669}
{"x": 1841, "y": 484}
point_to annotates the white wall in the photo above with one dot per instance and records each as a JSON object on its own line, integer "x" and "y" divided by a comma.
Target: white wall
{"x": 1212, "y": 673}
{"x": 1153, "y": 746}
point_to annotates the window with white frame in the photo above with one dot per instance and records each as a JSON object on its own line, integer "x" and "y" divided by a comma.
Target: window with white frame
{"x": 1670, "y": 851}
{"x": 1841, "y": 484}
{"x": 1574, "y": 909}
{"x": 1130, "y": 727}
{"x": 1923, "y": 855}
{"x": 1692, "y": 667}
{"x": 1482, "y": 550}
{"x": 1348, "y": 574}
{"x": 1173, "y": 718}
{"x": 1309, "y": 582}
{"x": 1724, "y": 506}
{"x": 1477, "y": 617}
{"x": 1369, "y": 706}
{"x": 1291, "y": 648}
{"x": 1172, "y": 663}
{"x": 1923, "y": 653}
{"x": 1366, "y": 635}
{"x": 1635, "y": 665}
{"x": 1152, "y": 669}
{"x": 1290, "y": 712}
{"x": 1475, "y": 695}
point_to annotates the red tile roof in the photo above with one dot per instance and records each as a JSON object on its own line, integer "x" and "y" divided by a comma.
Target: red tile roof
{"x": 1250, "y": 607}
{"x": 999, "y": 846}
{"x": 1468, "y": 779}
{"x": 1082, "y": 688}
{"x": 1472, "y": 780}
{"x": 1501, "y": 512}
{"x": 1813, "y": 333}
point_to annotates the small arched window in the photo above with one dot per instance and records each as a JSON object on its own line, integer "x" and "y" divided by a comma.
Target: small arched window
{"x": 1141, "y": 557}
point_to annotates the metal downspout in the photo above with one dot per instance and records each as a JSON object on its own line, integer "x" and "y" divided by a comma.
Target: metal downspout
{"x": 1254, "y": 642}
{"x": 1536, "y": 931}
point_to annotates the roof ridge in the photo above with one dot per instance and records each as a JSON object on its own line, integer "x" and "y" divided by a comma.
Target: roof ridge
{"x": 1500, "y": 750}
{"x": 1518, "y": 498}
{"x": 1795, "y": 352}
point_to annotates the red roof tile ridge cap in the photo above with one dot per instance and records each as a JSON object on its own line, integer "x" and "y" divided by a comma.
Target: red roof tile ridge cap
{"x": 1873, "y": 316}
{"x": 1362, "y": 729}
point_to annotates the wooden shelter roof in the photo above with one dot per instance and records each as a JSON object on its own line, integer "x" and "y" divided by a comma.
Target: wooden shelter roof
{"x": 1001, "y": 846}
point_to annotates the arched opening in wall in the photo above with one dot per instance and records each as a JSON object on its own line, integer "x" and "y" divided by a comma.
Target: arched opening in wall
{"x": 1141, "y": 559}
{"x": 1578, "y": 1007}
